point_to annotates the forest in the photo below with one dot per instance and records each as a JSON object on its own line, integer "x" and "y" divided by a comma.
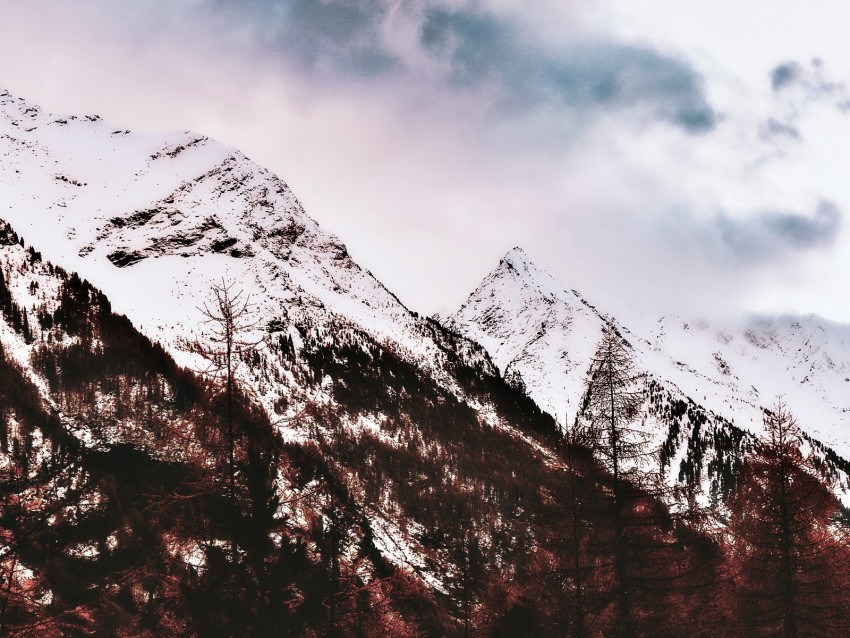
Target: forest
{"x": 140, "y": 498}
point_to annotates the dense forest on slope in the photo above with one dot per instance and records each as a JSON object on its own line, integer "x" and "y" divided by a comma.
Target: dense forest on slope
{"x": 464, "y": 512}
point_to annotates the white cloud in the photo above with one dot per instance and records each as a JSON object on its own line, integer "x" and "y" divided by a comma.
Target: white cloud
{"x": 430, "y": 173}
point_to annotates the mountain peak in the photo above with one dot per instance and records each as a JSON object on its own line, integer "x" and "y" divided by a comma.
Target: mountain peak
{"x": 516, "y": 264}
{"x": 517, "y": 259}
{"x": 538, "y": 330}
{"x": 157, "y": 220}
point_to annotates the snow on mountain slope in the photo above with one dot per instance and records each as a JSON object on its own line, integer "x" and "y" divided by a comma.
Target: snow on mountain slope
{"x": 537, "y": 333}
{"x": 345, "y": 371}
{"x": 544, "y": 336}
{"x": 155, "y": 221}
{"x": 805, "y": 359}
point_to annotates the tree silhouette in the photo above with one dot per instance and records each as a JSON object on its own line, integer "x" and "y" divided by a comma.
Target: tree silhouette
{"x": 612, "y": 399}
{"x": 787, "y": 558}
{"x": 231, "y": 319}
{"x": 640, "y": 568}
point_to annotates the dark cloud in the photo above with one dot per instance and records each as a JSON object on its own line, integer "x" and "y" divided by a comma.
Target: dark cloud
{"x": 344, "y": 34}
{"x": 813, "y": 79}
{"x": 769, "y": 235}
{"x": 784, "y": 74}
{"x": 603, "y": 75}
{"x": 354, "y": 39}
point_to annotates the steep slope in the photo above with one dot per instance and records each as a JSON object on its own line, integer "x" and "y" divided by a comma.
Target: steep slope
{"x": 403, "y": 510}
{"x": 112, "y": 472}
{"x": 805, "y": 359}
{"x": 542, "y": 337}
{"x": 388, "y": 443}
{"x": 157, "y": 221}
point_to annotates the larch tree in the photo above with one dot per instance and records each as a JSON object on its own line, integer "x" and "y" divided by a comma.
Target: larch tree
{"x": 635, "y": 554}
{"x": 788, "y": 558}
{"x": 230, "y": 317}
{"x": 613, "y": 396}
{"x": 612, "y": 399}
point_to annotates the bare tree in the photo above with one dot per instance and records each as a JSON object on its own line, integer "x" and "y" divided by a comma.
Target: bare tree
{"x": 612, "y": 400}
{"x": 788, "y": 555}
{"x": 613, "y": 396}
{"x": 230, "y": 315}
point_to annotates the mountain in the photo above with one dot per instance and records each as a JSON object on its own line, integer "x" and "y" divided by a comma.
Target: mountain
{"x": 747, "y": 364}
{"x": 157, "y": 221}
{"x": 542, "y": 337}
{"x": 371, "y": 448}
{"x": 116, "y": 509}
{"x": 363, "y": 472}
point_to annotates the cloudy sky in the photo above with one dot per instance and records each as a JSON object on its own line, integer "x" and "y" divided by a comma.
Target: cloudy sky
{"x": 655, "y": 155}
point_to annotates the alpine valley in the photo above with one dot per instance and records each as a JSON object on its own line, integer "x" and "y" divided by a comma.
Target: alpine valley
{"x": 330, "y": 463}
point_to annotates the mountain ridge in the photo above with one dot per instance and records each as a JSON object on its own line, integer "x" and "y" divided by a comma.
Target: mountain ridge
{"x": 346, "y": 371}
{"x": 365, "y": 471}
{"x": 214, "y": 215}
{"x": 542, "y": 337}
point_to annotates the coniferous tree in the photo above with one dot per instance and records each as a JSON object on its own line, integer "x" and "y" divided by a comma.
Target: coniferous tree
{"x": 640, "y": 559}
{"x": 787, "y": 555}
{"x": 611, "y": 403}
{"x": 229, "y": 315}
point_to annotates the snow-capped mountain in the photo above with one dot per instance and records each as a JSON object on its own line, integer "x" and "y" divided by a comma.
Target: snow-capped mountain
{"x": 156, "y": 221}
{"x": 371, "y": 473}
{"x": 749, "y": 363}
{"x": 542, "y": 335}
{"x": 367, "y": 394}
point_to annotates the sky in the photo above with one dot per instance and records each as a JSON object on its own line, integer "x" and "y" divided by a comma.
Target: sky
{"x": 657, "y": 156}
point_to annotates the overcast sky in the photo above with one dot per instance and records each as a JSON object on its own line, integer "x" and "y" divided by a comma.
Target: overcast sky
{"x": 656, "y": 155}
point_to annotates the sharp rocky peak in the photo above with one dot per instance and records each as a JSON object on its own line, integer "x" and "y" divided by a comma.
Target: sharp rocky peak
{"x": 517, "y": 258}
{"x": 543, "y": 333}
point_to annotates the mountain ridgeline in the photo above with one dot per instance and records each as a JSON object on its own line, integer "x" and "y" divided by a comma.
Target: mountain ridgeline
{"x": 310, "y": 458}
{"x": 117, "y": 517}
{"x": 706, "y": 386}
